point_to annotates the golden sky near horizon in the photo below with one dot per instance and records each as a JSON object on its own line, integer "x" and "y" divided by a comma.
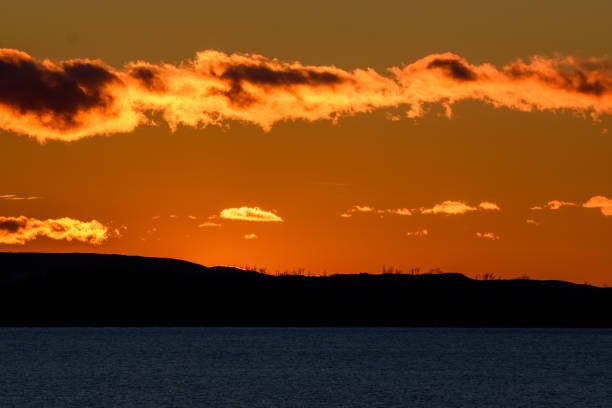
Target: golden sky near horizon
{"x": 332, "y": 137}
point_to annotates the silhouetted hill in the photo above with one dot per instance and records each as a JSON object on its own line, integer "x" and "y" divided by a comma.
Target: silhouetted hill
{"x": 93, "y": 289}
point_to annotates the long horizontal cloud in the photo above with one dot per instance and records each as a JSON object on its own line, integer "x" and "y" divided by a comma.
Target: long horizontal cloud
{"x": 68, "y": 100}
{"x": 448, "y": 207}
{"x": 250, "y": 214}
{"x": 19, "y": 230}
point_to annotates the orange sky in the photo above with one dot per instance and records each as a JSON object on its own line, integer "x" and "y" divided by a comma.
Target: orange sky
{"x": 470, "y": 138}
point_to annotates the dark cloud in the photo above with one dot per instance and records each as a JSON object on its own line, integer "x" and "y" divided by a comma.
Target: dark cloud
{"x": 148, "y": 78}
{"x": 586, "y": 86}
{"x": 70, "y": 100}
{"x": 266, "y": 77}
{"x": 453, "y": 68}
{"x": 12, "y": 225}
{"x": 263, "y": 75}
{"x": 590, "y": 82}
{"x": 30, "y": 87}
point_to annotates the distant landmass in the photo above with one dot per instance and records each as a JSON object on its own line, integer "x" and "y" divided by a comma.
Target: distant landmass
{"x": 45, "y": 289}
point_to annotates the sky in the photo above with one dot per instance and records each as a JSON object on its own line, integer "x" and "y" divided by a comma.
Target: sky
{"x": 335, "y": 137}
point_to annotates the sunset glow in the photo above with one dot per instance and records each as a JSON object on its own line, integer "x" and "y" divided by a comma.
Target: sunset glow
{"x": 317, "y": 137}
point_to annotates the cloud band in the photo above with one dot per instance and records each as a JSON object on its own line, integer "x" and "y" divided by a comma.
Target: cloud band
{"x": 69, "y": 100}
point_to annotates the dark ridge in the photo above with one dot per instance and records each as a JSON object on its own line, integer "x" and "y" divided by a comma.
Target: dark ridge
{"x": 38, "y": 289}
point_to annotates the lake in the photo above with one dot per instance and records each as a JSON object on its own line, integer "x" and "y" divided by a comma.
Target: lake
{"x": 305, "y": 367}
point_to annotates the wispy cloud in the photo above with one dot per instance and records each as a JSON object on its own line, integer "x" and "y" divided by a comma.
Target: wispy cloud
{"x": 367, "y": 209}
{"x": 250, "y": 214}
{"x": 250, "y": 236}
{"x": 488, "y": 235}
{"x": 448, "y": 207}
{"x": 601, "y": 202}
{"x": 553, "y": 205}
{"x": 532, "y": 222}
{"x": 459, "y": 207}
{"x": 69, "y": 100}
{"x": 19, "y": 230}
{"x": 420, "y": 233}
{"x": 16, "y": 197}
{"x": 209, "y": 224}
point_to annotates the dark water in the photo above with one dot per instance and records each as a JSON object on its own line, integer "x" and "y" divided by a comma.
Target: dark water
{"x": 311, "y": 367}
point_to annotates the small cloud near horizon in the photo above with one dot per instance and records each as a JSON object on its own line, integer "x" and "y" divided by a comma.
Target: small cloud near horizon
{"x": 420, "y": 233}
{"x": 367, "y": 209}
{"x": 255, "y": 214}
{"x": 451, "y": 207}
{"x": 19, "y": 230}
{"x": 553, "y": 205}
{"x": 488, "y": 235}
{"x": 209, "y": 224}
{"x": 250, "y": 236}
{"x": 361, "y": 208}
{"x": 448, "y": 207}
{"x": 15, "y": 197}
{"x": 400, "y": 211}
{"x": 603, "y": 203}
{"x": 487, "y": 205}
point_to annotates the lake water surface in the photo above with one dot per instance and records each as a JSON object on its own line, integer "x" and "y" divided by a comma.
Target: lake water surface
{"x": 305, "y": 367}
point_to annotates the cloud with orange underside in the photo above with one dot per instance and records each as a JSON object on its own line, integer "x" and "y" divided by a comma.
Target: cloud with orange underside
{"x": 69, "y": 100}
{"x": 255, "y": 214}
{"x": 603, "y": 203}
{"x": 19, "y": 230}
